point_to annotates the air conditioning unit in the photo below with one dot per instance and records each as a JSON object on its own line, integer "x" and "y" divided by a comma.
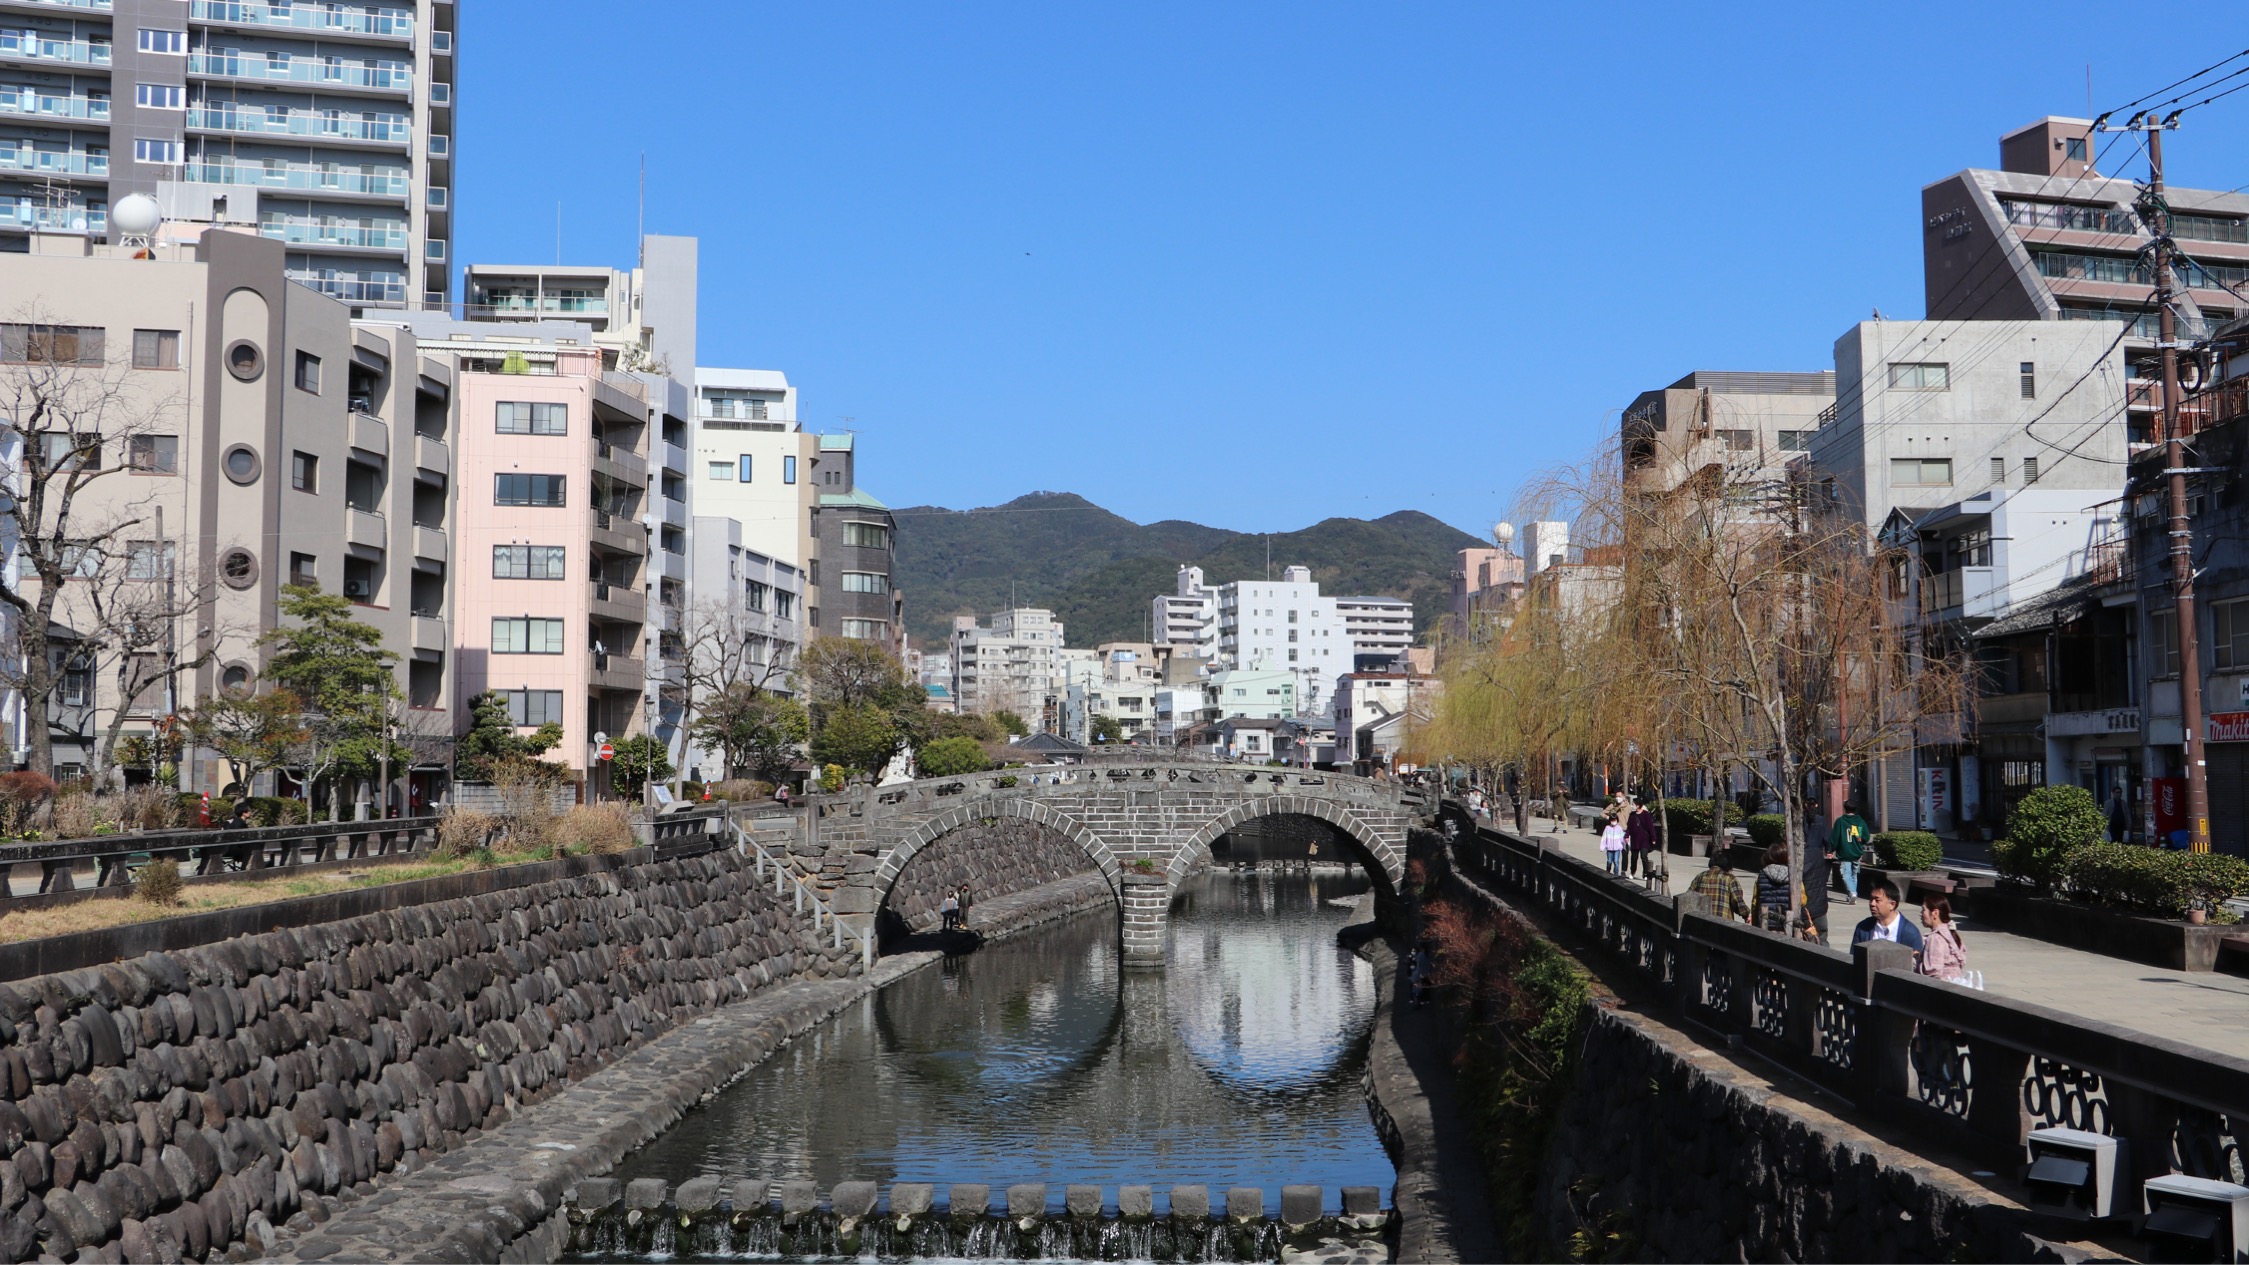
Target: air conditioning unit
{"x": 2072, "y": 1174}
{"x": 355, "y": 588}
{"x": 2195, "y": 1219}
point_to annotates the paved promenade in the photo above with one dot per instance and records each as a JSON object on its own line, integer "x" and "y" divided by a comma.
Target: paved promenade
{"x": 2200, "y": 1008}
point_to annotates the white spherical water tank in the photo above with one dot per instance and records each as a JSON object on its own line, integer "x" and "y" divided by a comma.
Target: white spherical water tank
{"x": 135, "y": 215}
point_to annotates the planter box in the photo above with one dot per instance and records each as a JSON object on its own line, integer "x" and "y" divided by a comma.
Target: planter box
{"x": 2154, "y": 941}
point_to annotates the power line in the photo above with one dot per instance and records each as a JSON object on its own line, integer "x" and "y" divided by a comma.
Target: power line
{"x": 2167, "y": 87}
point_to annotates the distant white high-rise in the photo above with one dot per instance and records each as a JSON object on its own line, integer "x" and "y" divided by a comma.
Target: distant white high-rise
{"x": 1545, "y": 544}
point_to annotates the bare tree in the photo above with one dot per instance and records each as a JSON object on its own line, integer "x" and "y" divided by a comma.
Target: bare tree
{"x": 77, "y": 419}
{"x": 137, "y": 605}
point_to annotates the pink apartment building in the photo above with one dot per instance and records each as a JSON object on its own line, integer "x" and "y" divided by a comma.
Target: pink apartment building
{"x": 552, "y": 608}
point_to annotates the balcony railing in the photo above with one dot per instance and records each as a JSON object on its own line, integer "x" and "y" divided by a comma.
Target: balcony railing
{"x": 353, "y": 289}
{"x": 300, "y": 70}
{"x": 393, "y": 22}
{"x": 1940, "y": 591}
{"x": 317, "y": 179}
{"x": 2081, "y": 219}
{"x": 98, "y": 5}
{"x": 14, "y": 100}
{"x": 54, "y": 162}
{"x": 37, "y": 47}
{"x": 503, "y": 303}
{"x": 382, "y": 236}
{"x": 2114, "y": 269}
{"x": 53, "y": 219}
{"x": 381, "y": 127}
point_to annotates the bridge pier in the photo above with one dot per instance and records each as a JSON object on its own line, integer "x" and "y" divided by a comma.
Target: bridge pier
{"x": 1147, "y": 908}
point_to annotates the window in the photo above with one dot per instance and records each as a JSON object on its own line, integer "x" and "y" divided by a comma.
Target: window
{"x": 866, "y": 535}
{"x": 2030, "y": 380}
{"x": 722, "y": 471}
{"x": 304, "y": 570}
{"x": 2163, "y": 644}
{"x": 2030, "y": 469}
{"x": 158, "y": 96}
{"x": 745, "y": 467}
{"x": 2074, "y": 147}
{"x": 531, "y": 708}
{"x": 1793, "y": 440}
{"x": 865, "y": 582}
{"x": 812, "y": 616}
{"x": 156, "y": 349}
{"x": 812, "y": 574}
{"x": 144, "y": 560}
{"x": 526, "y": 635}
{"x": 754, "y": 595}
{"x": 153, "y": 454}
{"x": 77, "y": 680}
{"x": 528, "y": 562}
{"x": 1739, "y": 440}
{"x": 864, "y": 629}
{"x": 527, "y": 489}
{"x": 51, "y": 344}
{"x": 784, "y": 604}
{"x": 60, "y": 451}
{"x": 156, "y": 41}
{"x": 80, "y": 561}
{"x": 788, "y": 469}
{"x": 1921, "y": 377}
{"x": 2231, "y": 645}
{"x": 1922, "y": 472}
{"x": 517, "y": 417}
{"x": 1998, "y": 469}
{"x": 304, "y": 472}
{"x": 153, "y": 151}
{"x": 308, "y": 372}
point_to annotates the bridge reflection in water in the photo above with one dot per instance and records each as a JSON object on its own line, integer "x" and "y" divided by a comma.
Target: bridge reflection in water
{"x": 1038, "y": 1060}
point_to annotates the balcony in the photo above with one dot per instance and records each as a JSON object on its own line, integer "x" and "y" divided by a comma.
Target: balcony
{"x": 503, "y": 305}
{"x": 622, "y": 465}
{"x": 670, "y": 512}
{"x": 309, "y": 179}
{"x": 432, "y": 455}
{"x": 37, "y": 47}
{"x": 51, "y": 105}
{"x": 675, "y": 459}
{"x": 352, "y": 289}
{"x": 92, "y": 6}
{"x": 45, "y": 162}
{"x": 393, "y": 129}
{"x": 619, "y": 603}
{"x": 390, "y": 23}
{"x": 619, "y": 535}
{"x": 367, "y": 530}
{"x": 333, "y": 233}
{"x": 429, "y": 543}
{"x": 370, "y": 434}
{"x": 53, "y": 219}
{"x": 260, "y": 68}
{"x": 429, "y": 634}
{"x": 615, "y": 672}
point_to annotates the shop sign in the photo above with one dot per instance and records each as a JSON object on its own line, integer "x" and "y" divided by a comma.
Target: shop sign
{"x": 2116, "y": 720}
{"x": 2229, "y": 726}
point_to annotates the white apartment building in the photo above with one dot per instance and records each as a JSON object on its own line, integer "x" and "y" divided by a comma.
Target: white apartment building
{"x": 1379, "y": 627}
{"x": 751, "y": 461}
{"x": 749, "y": 620}
{"x": 1012, "y": 664}
{"x": 1187, "y": 618}
{"x": 1284, "y": 626}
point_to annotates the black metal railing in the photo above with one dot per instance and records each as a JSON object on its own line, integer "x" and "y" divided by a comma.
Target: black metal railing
{"x": 209, "y": 851}
{"x": 1965, "y": 1068}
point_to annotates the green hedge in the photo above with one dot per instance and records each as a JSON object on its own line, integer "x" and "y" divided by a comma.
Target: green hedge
{"x": 2043, "y": 829}
{"x": 1905, "y": 850}
{"x": 2153, "y": 881}
{"x": 1692, "y": 816}
{"x": 1767, "y": 829}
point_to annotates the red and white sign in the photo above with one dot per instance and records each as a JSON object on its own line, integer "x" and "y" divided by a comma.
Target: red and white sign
{"x": 2229, "y": 726}
{"x": 608, "y": 752}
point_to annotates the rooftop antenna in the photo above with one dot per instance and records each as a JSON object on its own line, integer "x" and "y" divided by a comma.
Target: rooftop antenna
{"x": 558, "y": 232}
{"x": 640, "y": 217}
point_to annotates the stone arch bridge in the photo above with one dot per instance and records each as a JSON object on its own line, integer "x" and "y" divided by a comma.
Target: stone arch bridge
{"x": 1147, "y": 827}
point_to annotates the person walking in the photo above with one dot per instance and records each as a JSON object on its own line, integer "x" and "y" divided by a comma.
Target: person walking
{"x": 1639, "y": 839}
{"x": 1885, "y": 923}
{"x": 962, "y": 904}
{"x": 1721, "y": 889}
{"x": 2119, "y": 821}
{"x": 1942, "y": 954}
{"x": 1847, "y": 844}
{"x": 1811, "y": 920}
{"x": 1612, "y": 844}
{"x": 1772, "y": 890}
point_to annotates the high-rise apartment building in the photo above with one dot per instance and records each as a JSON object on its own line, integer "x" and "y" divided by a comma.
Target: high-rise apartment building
{"x": 1011, "y": 664}
{"x": 850, "y": 590}
{"x": 329, "y": 125}
{"x": 1380, "y": 628}
{"x": 753, "y": 463}
{"x": 1187, "y": 618}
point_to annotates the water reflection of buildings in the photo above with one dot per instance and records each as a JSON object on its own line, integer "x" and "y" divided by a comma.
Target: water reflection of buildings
{"x": 1037, "y": 1059}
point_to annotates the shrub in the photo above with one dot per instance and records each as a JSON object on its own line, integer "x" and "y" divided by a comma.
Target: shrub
{"x": 1767, "y": 829}
{"x": 158, "y": 882}
{"x": 79, "y": 814}
{"x": 268, "y": 810}
{"x": 1007, "y": 781}
{"x": 147, "y": 808}
{"x": 600, "y": 828}
{"x": 1692, "y": 816}
{"x": 2045, "y": 826}
{"x": 1906, "y": 850}
{"x": 741, "y": 790}
{"x": 462, "y": 832}
{"x": 950, "y": 757}
{"x": 2153, "y": 881}
{"x": 831, "y": 778}
{"x": 22, "y": 795}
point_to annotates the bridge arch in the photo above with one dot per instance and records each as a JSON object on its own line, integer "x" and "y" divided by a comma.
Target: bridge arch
{"x": 1385, "y": 862}
{"x": 978, "y": 811}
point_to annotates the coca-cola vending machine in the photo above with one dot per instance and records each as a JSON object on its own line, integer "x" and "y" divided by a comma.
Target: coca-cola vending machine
{"x": 2170, "y": 795}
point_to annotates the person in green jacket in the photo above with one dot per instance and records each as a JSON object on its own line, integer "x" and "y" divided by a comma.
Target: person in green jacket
{"x": 1847, "y": 844}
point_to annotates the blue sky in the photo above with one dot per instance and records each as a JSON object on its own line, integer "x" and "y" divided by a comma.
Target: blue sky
{"x": 1259, "y": 265}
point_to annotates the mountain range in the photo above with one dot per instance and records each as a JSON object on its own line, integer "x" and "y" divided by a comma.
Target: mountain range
{"x": 1098, "y": 571}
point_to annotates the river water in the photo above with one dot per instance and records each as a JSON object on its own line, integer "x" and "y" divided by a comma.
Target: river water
{"x": 1037, "y": 1059}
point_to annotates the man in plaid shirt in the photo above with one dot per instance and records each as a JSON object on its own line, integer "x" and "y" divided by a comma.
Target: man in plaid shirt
{"x": 1716, "y": 885}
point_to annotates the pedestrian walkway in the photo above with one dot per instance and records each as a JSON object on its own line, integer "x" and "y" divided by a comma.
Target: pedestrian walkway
{"x": 2197, "y": 1007}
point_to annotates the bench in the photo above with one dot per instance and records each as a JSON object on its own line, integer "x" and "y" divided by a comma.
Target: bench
{"x": 2236, "y": 946}
{"x": 1921, "y": 886}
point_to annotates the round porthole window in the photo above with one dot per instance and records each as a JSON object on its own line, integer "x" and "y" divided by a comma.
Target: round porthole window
{"x": 245, "y": 361}
{"x": 234, "y": 678}
{"x": 242, "y": 464}
{"x": 238, "y": 568}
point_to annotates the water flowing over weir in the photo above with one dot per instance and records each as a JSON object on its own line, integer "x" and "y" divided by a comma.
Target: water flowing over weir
{"x": 1037, "y": 1060}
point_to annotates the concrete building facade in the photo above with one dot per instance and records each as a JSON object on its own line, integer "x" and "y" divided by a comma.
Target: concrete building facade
{"x": 1752, "y": 421}
{"x": 1011, "y": 663}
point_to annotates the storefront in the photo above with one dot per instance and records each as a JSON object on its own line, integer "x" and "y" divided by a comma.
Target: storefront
{"x": 2101, "y": 751}
{"x": 2227, "y": 765}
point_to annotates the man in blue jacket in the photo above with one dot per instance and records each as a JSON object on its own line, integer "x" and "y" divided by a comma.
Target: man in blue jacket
{"x": 1887, "y": 923}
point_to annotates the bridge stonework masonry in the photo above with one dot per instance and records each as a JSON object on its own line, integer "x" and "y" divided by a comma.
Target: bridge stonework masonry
{"x": 1147, "y": 827}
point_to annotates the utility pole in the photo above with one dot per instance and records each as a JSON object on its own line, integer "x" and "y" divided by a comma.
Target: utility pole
{"x": 2157, "y": 212}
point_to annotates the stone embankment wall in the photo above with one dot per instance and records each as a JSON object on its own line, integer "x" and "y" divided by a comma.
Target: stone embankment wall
{"x": 178, "y": 1104}
{"x": 999, "y": 858}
